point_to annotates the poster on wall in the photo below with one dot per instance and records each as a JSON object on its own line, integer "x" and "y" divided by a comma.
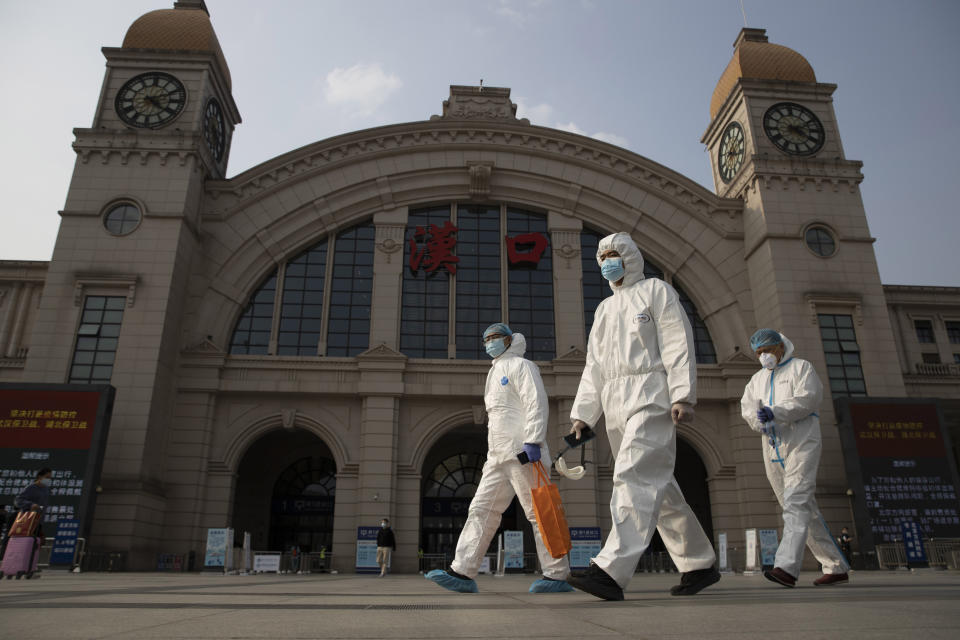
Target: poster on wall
{"x": 722, "y": 551}
{"x": 585, "y": 544}
{"x": 750, "y": 566}
{"x": 513, "y": 549}
{"x": 216, "y": 555}
{"x": 367, "y": 550}
{"x": 60, "y": 426}
{"x": 768, "y": 547}
{"x": 899, "y": 469}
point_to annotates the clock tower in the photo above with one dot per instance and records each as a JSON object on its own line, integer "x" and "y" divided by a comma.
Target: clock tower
{"x": 129, "y": 236}
{"x": 774, "y": 141}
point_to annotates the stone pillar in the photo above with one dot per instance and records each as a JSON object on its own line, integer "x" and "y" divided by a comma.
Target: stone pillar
{"x": 10, "y": 301}
{"x": 387, "y": 277}
{"x": 567, "y": 282}
{"x": 23, "y": 307}
{"x": 381, "y": 385}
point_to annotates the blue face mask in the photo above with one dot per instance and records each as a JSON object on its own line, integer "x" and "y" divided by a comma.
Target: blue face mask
{"x": 495, "y": 347}
{"x": 612, "y": 269}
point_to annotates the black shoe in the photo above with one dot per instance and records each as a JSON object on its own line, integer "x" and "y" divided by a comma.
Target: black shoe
{"x": 596, "y": 582}
{"x": 694, "y": 582}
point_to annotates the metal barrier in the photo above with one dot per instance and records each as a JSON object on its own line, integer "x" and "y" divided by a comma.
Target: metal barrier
{"x": 431, "y": 561}
{"x": 317, "y": 562}
{"x": 171, "y": 562}
{"x": 942, "y": 553}
{"x": 656, "y": 562}
{"x": 104, "y": 561}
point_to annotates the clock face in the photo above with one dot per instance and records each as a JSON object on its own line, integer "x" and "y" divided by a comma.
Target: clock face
{"x": 150, "y": 100}
{"x": 731, "y": 151}
{"x": 214, "y": 130}
{"x": 794, "y": 129}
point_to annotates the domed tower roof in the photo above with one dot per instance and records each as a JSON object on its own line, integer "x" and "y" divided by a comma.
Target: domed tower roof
{"x": 756, "y": 58}
{"x": 186, "y": 27}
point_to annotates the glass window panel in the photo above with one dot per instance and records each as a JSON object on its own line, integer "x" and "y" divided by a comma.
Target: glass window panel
{"x": 90, "y": 350}
{"x": 426, "y": 295}
{"x": 848, "y": 378}
{"x": 479, "y": 253}
{"x": 924, "y": 330}
{"x": 247, "y": 337}
{"x": 531, "y": 286}
{"x": 351, "y": 291}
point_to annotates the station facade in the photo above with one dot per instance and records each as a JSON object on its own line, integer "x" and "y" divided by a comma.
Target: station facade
{"x": 296, "y": 349}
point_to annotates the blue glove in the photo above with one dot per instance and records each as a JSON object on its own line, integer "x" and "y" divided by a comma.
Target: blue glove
{"x": 765, "y": 414}
{"x": 532, "y": 451}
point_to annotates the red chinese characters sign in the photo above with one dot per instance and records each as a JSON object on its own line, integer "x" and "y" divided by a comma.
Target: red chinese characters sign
{"x": 526, "y": 248}
{"x": 438, "y": 244}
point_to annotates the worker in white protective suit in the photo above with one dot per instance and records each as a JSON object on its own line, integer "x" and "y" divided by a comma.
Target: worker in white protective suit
{"x": 517, "y": 411}
{"x": 641, "y": 373}
{"x": 781, "y": 402}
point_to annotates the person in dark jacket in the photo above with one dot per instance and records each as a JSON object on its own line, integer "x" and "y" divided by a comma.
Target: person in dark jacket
{"x": 33, "y": 497}
{"x": 386, "y": 544}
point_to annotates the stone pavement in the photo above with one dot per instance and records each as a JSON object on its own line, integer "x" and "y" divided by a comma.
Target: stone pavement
{"x": 924, "y": 604}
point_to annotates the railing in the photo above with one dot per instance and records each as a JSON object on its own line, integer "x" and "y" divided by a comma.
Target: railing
{"x": 431, "y": 561}
{"x": 943, "y": 369}
{"x": 104, "y": 561}
{"x": 656, "y": 562}
{"x": 942, "y": 553}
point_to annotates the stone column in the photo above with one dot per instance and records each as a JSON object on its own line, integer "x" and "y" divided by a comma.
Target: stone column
{"x": 10, "y": 301}
{"x": 567, "y": 282}
{"x": 387, "y": 277}
{"x": 381, "y": 385}
{"x": 16, "y": 331}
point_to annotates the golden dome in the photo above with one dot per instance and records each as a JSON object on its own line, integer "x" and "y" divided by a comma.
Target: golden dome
{"x": 755, "y": 58}
{"x": 180, "y": 29}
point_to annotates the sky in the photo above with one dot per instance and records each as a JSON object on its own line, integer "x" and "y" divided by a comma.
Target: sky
{"x": 638, "y": 74}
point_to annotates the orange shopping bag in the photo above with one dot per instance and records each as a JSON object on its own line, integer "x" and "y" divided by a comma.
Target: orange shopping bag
{"x": 551, "y": 519}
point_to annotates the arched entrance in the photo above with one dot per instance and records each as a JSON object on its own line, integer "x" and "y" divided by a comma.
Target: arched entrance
{"x": 285, "y": 492}
{"x": 451, "y": 474}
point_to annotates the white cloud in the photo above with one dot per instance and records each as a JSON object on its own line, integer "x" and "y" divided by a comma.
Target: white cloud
{"x": 361, "y": 88}
{"x": 612, "y": 138}
{"x": 603, "y": 136}
{"x": 518, "y": 12}
{"x": 541, "y": 114}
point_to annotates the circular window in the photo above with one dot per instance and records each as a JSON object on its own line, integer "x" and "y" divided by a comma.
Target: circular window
{"x": 820, "y": 241}
{"x": 122, "y": 219}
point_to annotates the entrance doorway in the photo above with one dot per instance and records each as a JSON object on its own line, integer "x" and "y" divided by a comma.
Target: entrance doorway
{"x": 286, "y": 492}
{"x": 451, "y": 474}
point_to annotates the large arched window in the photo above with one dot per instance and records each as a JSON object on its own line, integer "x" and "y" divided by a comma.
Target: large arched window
{"x": 324, "y": 303}
{"x": 596, "y": 288}
{"x": 478, "y": 277}
{"x": 530, "y": 279}
{"x": 456, "y": 477}
{"x": 252, "y": 333}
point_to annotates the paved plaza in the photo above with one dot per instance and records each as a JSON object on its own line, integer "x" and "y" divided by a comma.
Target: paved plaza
{"x": 875, "y": 605}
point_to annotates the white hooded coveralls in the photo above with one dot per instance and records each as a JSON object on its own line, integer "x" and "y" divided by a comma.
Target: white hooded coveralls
{"x": 640, "y": 361}
{"x": 517, "y": 412}
{"x": 794, "y": 398}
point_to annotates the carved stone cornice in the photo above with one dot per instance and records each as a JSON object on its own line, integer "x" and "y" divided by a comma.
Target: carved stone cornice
{"x": 126, "y": 145}
{"x": 227, "y": 197}
{"x": 105, "y": 280}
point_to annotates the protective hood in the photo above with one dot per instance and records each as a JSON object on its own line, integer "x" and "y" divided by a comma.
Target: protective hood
{"x": 623, "y": 244}
{"x": 518, "y": 347}
{"x": 787, "y": 350}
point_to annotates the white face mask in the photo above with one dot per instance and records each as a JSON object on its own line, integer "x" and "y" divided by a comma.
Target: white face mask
{"x": 45, "y": 482}
{"x": 768, "y": 360}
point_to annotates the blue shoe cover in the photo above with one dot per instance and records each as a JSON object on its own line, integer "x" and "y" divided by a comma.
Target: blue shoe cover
{"x": 447, "y": 581}
{"x": 550, "y": 586}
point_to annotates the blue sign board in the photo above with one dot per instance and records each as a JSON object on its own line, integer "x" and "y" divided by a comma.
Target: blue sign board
{"x": 65, "y": 542}
{"x": 216, "y": 555}
{"x": 913, "y": 544}
{"x": 768, "y": 547}
{"x": 585, "y": 544}
{"x": 367, "y": 550}
{"x": 513, "y": 549}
